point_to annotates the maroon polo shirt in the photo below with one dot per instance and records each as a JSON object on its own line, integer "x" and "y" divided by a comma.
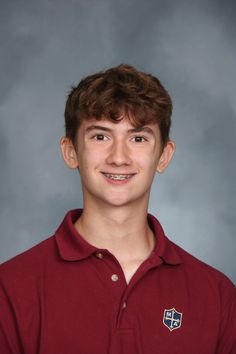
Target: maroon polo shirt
{"x": 65, "y": 296}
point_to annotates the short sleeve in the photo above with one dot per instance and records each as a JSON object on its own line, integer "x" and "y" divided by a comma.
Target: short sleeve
{"x": 9, "y": 337}
{"x": 227, "y": 336}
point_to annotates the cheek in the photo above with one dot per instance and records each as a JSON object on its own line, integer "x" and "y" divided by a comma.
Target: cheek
{"x": 148, "y": 162}
{"x": 88, "y": 161}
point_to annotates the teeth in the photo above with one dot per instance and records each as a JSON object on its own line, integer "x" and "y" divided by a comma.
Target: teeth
{"x": 117, "y": 177}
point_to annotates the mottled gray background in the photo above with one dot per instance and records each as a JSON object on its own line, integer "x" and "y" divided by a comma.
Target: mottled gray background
{"x": 190, "y": 45}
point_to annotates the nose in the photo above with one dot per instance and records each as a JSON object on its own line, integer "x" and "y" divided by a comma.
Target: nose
{"x": 119, "y": 154}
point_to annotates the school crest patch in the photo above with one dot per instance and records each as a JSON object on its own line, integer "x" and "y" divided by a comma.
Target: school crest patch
{"x": 172, "y": 319}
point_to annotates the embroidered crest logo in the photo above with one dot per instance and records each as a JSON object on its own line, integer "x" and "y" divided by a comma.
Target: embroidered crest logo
{"x": 172, "y": 319}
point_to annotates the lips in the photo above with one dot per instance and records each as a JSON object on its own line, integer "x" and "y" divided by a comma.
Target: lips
{"x": 118, "y": 177}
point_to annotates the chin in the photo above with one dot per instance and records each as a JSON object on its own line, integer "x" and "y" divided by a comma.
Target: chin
{"x": 110, "y": 200}
{"x": 119, "y": 202}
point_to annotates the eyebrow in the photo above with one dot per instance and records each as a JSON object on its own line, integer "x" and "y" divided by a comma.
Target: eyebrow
{"x": 97, "y": 127}
{"x": 143, "y": 129}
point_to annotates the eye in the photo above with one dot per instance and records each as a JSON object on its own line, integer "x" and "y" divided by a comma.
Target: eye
{"x": 139, "y": 139}
{"x": 100, "y": 137}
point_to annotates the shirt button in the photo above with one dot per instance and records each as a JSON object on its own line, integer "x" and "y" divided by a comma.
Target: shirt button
{"x": 114, "y": 277}
{"x": 124, "y": 305}
{"x": 99, "y": 255}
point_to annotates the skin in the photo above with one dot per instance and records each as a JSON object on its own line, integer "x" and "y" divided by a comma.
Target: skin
{"x": 118, "y": 208}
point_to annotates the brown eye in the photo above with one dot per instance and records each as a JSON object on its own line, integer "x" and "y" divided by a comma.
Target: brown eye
{"x": 139, "y": 139}
{"x": 100, "y": 137}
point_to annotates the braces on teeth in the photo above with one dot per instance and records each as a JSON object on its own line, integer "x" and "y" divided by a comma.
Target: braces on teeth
{"x": 118, "y": 177}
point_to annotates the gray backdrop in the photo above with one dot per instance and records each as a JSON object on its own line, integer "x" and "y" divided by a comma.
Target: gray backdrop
{"x": 190, "y": 45}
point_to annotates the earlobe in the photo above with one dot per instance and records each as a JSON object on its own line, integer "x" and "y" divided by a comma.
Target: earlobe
{"x": 69, "y": 153}
{"x": 166, "y": 156}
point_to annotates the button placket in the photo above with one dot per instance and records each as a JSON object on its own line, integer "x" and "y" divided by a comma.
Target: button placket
{"x": 99, "y": 255}
{"x": 114, "y": 277}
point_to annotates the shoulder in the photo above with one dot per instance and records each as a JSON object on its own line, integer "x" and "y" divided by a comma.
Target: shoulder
{"x": 30, "y": 262}
{"x": 203, "y": 275}
{"x": 22, "y": 278}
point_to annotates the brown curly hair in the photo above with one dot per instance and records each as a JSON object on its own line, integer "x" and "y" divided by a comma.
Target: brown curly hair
{"x": 119, "y": 92}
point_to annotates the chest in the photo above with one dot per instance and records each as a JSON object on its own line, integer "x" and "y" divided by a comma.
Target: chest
{"x": 94, "y": 311}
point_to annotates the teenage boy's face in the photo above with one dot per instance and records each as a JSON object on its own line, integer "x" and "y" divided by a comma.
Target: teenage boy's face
{"x": 117, "y": 161}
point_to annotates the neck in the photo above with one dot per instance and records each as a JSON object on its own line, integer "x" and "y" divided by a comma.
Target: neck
{"x": 124, "y": 231}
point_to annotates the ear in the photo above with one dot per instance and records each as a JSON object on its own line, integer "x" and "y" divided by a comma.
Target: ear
{"x": 166, "y": 156}
{"x": 69, "y": 153}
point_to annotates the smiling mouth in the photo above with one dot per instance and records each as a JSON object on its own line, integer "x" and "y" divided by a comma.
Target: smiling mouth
{"x": 118, "y": 177}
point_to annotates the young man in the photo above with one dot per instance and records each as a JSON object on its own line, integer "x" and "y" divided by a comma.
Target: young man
{"x": 109, "y": 280}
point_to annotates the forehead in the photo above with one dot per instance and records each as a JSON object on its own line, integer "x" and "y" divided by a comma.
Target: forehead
{"x": 123, "y": 125}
